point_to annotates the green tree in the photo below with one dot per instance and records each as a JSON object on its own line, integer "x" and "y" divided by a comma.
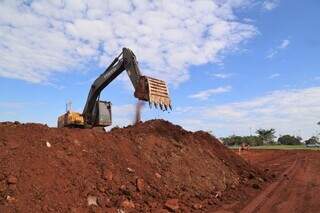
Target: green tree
{"x": 289, "y": 140}
{"x": 238, "y": 140}
{"x": 267, "y": 135}
{"x": 233, "y": 140}
{"x": 312, "y": 140}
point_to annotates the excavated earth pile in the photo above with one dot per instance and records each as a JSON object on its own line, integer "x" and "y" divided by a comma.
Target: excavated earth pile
{"x": 153, "y": 166}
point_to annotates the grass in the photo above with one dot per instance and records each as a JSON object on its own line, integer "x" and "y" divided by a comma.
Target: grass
{"x": 282, "y": 147}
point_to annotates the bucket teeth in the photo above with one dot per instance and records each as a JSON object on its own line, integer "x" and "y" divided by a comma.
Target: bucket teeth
{"x": 158, "y": 93}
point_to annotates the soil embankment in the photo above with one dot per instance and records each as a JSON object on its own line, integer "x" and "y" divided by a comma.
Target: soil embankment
{"x": 152, "y": 166}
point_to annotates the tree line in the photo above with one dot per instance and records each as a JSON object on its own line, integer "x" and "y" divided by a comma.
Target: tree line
{"x": 266, "y": 137}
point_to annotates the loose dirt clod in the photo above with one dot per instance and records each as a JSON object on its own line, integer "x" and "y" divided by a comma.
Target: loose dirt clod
{"x": 12, "y": 180}
{"x": 140, "y": 184}
{"x": 10, "y": 199}
{"x": 130, "y": 170}
{"x": 172, "y": 204}
{"x": 157, "y": 175}
{"x": 197, "y": 206}
{"x": 127, "y": 204}
{"x": 145, "y": 164}
{"x": 107, "y": 175}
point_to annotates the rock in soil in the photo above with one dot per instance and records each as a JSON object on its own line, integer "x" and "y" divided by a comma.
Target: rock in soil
{"x": 172, "y": 204}
{"x": 92, "y": 200}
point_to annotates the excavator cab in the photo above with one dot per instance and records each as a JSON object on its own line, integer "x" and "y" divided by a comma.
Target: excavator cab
{"x": 102, "y": 113}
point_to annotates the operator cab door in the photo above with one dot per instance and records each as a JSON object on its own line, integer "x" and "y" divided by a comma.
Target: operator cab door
{"x": 102, "y": 113}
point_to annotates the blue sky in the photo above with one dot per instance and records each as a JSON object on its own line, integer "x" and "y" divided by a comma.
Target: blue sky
{"x": 232, "y": 66}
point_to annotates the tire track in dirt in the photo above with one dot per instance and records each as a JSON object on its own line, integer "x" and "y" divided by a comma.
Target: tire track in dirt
{"x": 256, "y": 204}
{"x": 297, "y": 189}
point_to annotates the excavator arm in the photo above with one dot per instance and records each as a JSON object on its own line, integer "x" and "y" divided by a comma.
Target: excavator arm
{"x": 146, "y": 88}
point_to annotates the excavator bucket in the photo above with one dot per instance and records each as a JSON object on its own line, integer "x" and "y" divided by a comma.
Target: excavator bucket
{"x": 158, "y": 93}
{"x": 154, "y": 91}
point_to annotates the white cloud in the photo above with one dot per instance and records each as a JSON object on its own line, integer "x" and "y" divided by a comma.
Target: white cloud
{"x": 288, "y": 111}
{"x": 205, "y": 94}
{"x": 274, "y": 75}
{"x": 222, "y": 75}
{"x": 43, "y": 38}
{"x": 270, "y": 4}
{"x": 284, "y": 44}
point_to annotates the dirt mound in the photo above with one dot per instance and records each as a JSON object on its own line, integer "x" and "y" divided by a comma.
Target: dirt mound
{"x": 147, "y": 167}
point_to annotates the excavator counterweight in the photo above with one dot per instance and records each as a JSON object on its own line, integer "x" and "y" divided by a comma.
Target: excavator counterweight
{"x": 97, "y": 113}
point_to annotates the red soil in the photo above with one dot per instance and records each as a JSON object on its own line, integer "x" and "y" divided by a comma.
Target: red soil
{"x": 152, "y": 166}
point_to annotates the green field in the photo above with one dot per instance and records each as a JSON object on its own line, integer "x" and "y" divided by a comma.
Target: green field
{"x": 283, "y": 147}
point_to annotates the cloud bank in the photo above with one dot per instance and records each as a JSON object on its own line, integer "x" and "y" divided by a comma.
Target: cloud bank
{"x": 288, "y": 111}
{"x": 40, "y": 39}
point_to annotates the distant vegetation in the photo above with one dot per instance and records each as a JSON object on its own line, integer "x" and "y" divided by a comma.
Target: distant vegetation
{"x": 312, "y": 140}
{"x": 235, "y": 140}
{"x": 289, "y": 140}
{"x": 265, "y": 137}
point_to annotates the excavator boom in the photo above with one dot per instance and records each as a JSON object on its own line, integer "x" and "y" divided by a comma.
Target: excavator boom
{"x": 149, "y": 89}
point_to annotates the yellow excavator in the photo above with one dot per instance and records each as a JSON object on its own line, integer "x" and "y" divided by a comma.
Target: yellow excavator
{"x": 97, "y": 113}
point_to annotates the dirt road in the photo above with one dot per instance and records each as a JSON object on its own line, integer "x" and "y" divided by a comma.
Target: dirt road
{"x": 297, "y": 184}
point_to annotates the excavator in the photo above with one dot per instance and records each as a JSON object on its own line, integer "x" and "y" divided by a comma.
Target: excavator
{"x": 97, "y": 113}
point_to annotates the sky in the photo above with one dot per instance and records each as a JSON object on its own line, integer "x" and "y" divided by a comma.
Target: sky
{"x": 232, "y": 66}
